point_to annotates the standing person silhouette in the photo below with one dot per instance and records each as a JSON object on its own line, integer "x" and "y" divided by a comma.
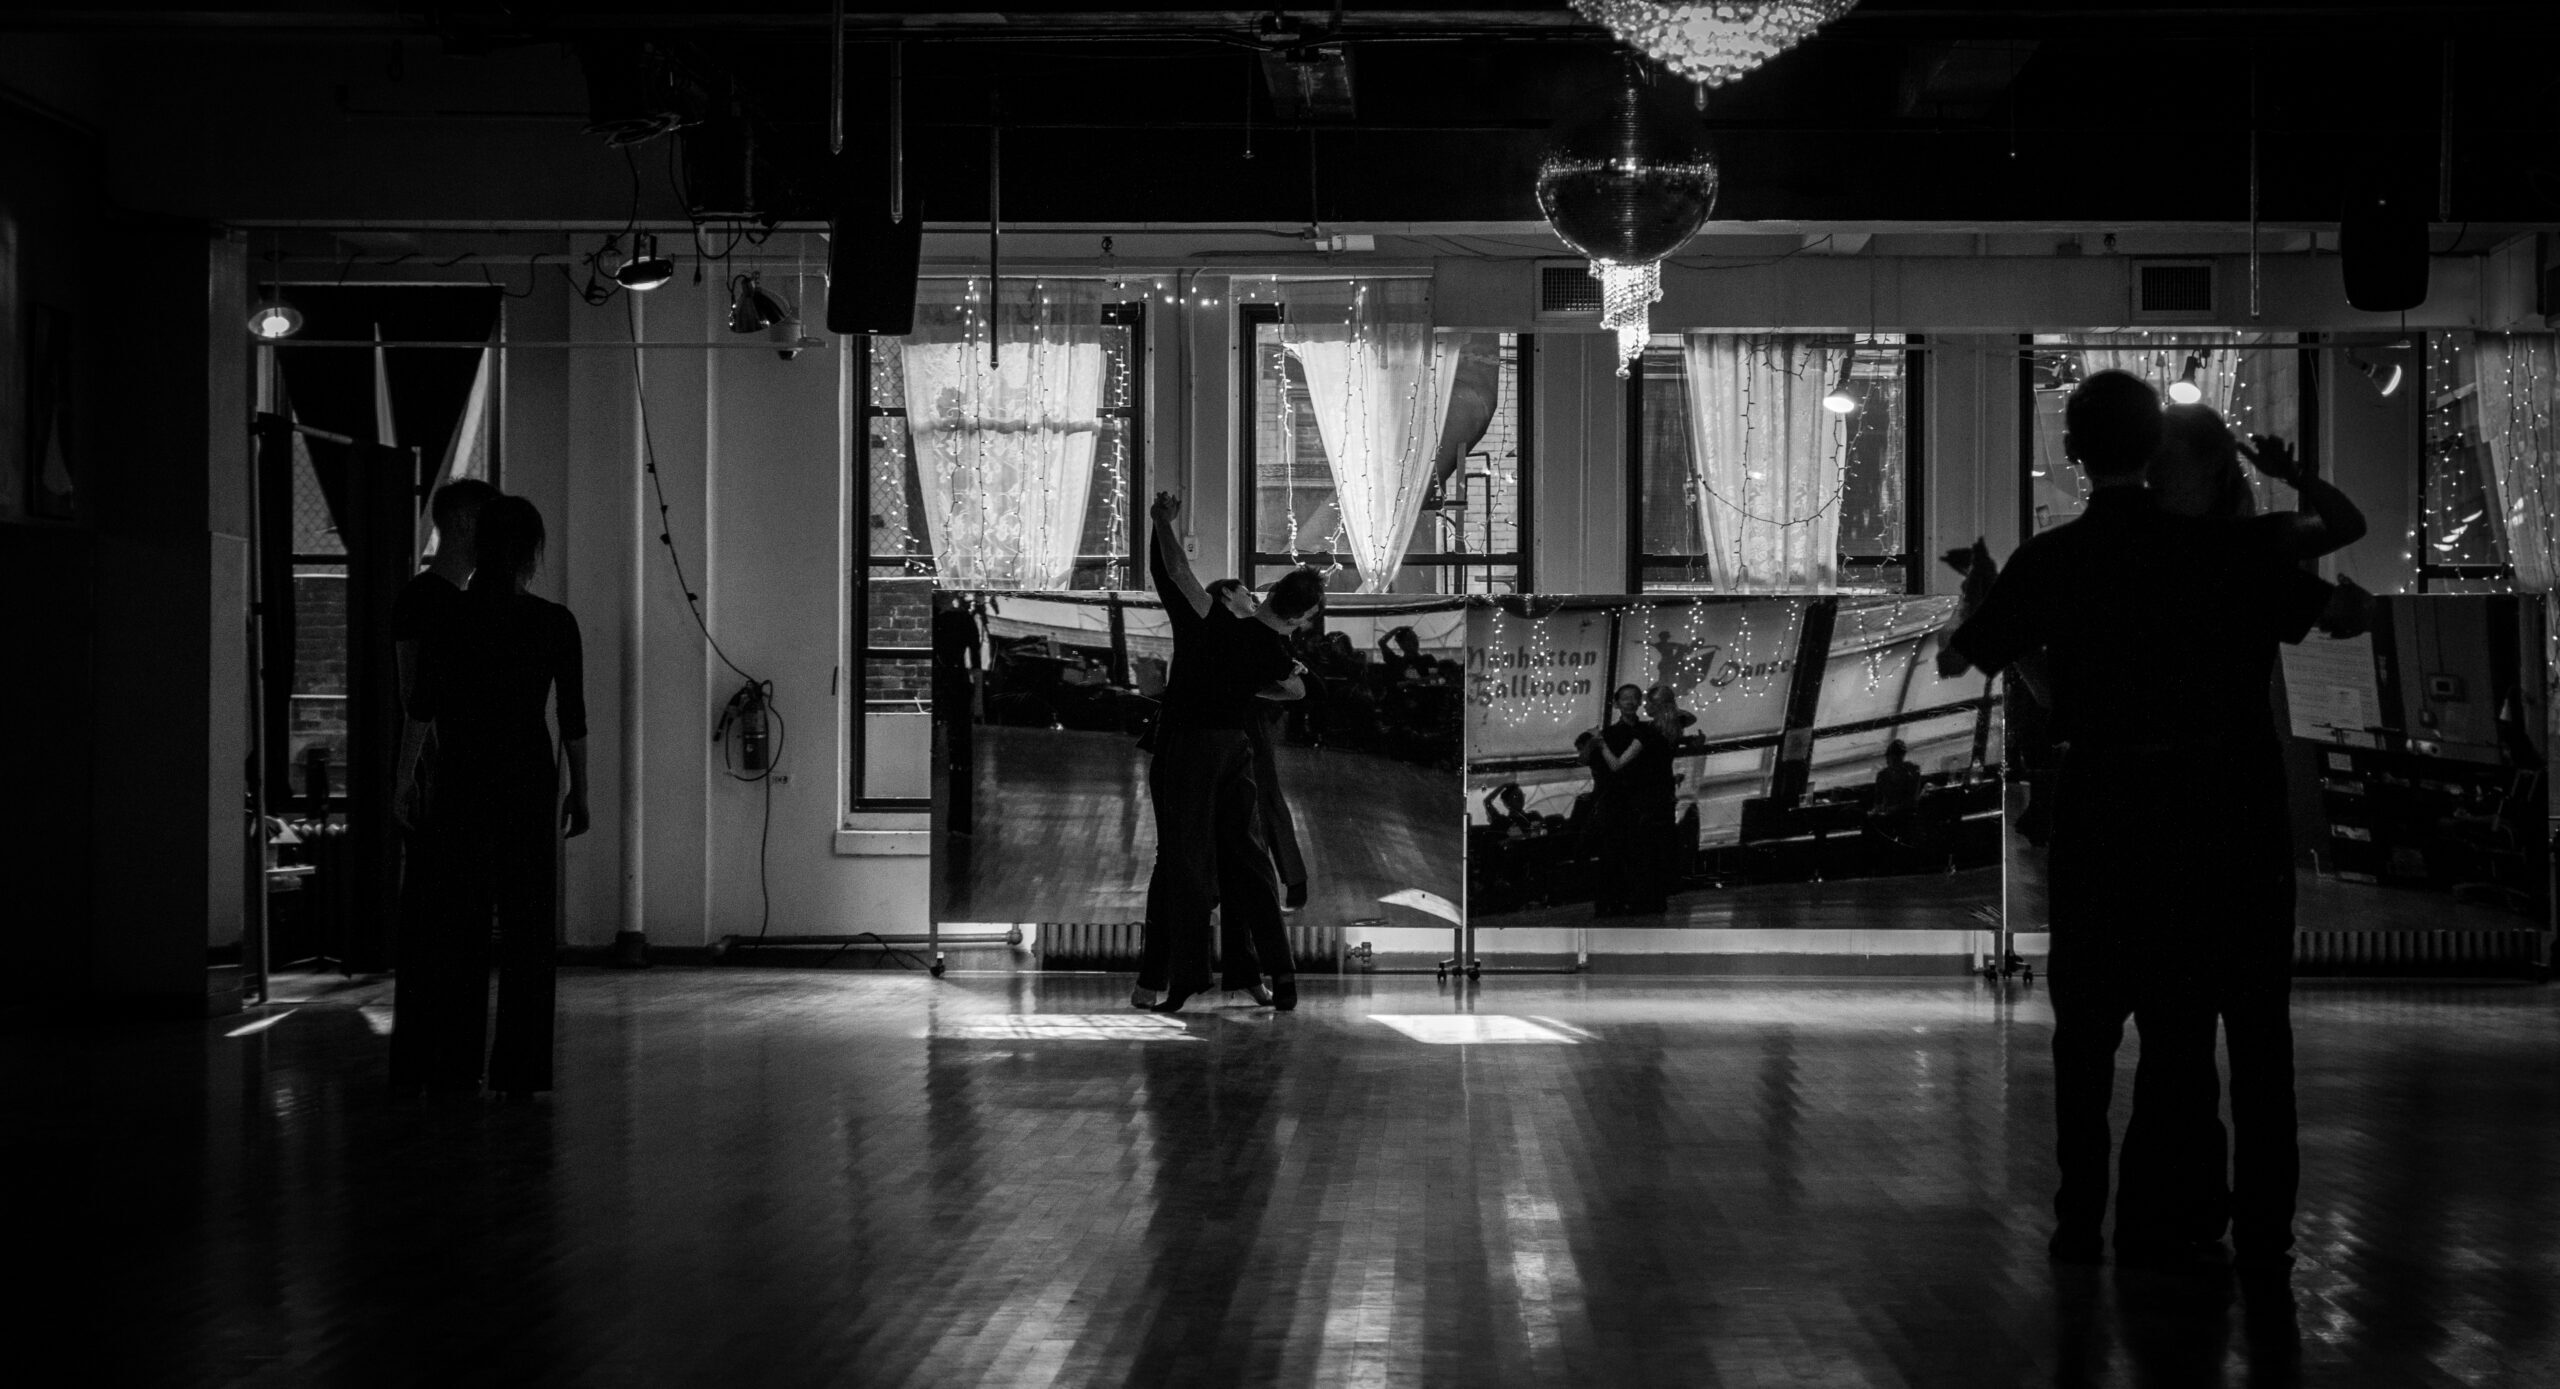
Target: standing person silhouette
{"x": 1625, "y": 839}
{"x": 1209, "y": 846}
{"x": 497, "y": 817}
{"x": 2159, "y": 636}
{"x": 423, "y": 612}
{"x": 2197, "y": 472}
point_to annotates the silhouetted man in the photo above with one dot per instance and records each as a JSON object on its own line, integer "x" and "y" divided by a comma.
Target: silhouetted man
{"x": 2159, "y": 635}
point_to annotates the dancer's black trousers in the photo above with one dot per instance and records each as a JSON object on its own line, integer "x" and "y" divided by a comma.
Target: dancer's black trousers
{"x": 1209, "y": 853}
{"x": 494, "y": 858}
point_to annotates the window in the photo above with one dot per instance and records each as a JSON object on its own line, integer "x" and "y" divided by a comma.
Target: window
{"x": 1470, "y": 532}
{"x": 1880, "y": 685}
{"x": 2253, "y": 379}
{"x": 2462, "y": 541}
{"x": 974, "y": 501}
{"x": 316, "y": 705}
{"x": 1749, "y": 482}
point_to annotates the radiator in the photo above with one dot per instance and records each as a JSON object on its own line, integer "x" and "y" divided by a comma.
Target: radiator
{"x": 2500, "y": 952}
{"x": 1114, "y": 945}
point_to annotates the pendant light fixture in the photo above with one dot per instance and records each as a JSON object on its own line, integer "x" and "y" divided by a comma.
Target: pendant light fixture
{"x": 274, "y": 320}
{"x": 2385, "y": 379}
{"x": 2188, "y": 389}
{"x": 1848, "y": 393}
{"x": 751, "y": 309}
{"x": 646, "y": 270}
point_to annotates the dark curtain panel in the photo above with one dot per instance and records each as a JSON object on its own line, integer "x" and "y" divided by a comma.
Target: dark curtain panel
{"x": 383, "y": 509}
{"x": 275, "y": 600}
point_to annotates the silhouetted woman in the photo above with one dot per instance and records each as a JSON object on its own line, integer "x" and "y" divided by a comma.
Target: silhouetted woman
{"x": 1624, "y": 841}
{"x": 498, "y": 817}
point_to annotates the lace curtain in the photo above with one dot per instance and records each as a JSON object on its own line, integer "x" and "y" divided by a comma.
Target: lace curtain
{"x": 1004, "y": 430}
{"x": 1768, "y": 460}
{"x": 1378, "y": 379}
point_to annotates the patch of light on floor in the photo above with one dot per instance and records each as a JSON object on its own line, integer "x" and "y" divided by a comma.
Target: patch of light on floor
{"x": 1466, "y": 1029}
{"x": 1067, "y": 1027}
{"x": 379, "y": 1019}
{"x": 261, "y": 1024}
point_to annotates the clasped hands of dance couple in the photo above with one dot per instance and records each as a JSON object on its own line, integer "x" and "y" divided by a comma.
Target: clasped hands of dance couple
{"x": 1231, "y": 653}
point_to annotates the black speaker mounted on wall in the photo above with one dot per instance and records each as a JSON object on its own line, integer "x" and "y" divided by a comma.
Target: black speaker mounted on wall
{"x": 871, "y": 268}
{"x": 2382, "y": 253}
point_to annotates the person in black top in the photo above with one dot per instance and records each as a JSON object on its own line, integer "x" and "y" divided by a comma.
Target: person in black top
{"x": 1279, "y": 826}
{"x": 1209, "y": 847}
{"x": 2159, "y": 636}
{"x": 497, "y": 816}
{"x": 1897, "y": 788}
{"x": 1625, "y": 839}
{"x": 2197, "y": 472}
{"x": 422, "y": 612}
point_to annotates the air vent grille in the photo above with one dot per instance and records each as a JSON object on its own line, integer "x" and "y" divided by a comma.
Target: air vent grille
{"x": 1566, "y": 287}
{"x": 2173, "y": 291}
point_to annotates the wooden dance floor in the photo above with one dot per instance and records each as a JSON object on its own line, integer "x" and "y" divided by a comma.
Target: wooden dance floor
{"x": 760, "y": 1177}
{"x": 1064, "y": 832}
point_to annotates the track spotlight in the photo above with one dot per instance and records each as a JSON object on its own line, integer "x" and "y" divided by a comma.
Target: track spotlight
{"x": 2187, "y": 390}
{"x": 2385, "y": 379}
{"x": 1848, "y": 392}
{"x": 646, "y": 270}
{"x": 274, "y": 319}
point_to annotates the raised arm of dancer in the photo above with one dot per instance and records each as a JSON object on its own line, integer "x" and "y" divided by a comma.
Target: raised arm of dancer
{"x": 1618, "y": 761}
{"x": 2328, "y": 519}
{"x": 1172, "y": 566}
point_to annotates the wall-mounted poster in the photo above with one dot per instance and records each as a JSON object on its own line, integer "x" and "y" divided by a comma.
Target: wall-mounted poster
{"x": 1727, "y": 762}
{"x": 1043, "y": 813}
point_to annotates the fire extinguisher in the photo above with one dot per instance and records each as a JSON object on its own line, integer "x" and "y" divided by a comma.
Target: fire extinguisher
{"x": 746, "y": 714}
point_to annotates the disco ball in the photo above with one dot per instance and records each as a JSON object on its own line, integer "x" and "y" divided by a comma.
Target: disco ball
{"x": 1627, "y": 178}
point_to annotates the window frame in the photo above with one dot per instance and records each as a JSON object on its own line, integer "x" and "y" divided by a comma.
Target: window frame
{"x": 1249, "y": 320}
{"x": 2307, "y": 345}
{"x": 2456, "y": 578}
{"x": 857, "y": 410}
{"x": 1915, "y": 539}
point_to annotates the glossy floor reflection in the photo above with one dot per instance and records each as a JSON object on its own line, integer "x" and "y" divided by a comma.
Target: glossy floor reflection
{"x": 870, "y": 1178}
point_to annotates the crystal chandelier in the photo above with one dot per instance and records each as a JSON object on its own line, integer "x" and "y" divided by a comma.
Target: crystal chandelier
{"x": 1712, "y": 42}
{"x": 1625, "y": 181}
{"x": 1627, "y": 296}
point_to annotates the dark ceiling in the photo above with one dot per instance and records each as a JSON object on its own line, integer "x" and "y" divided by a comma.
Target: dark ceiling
{"x": 1903, "y": 111}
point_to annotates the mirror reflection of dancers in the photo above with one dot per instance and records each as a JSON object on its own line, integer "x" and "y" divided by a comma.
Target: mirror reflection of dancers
{"x": 1209, "y": 846}
{"x": 1625, "y": 841}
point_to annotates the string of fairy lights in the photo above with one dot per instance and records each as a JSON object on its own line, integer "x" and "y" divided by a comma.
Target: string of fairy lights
{"x": 1752, "y": 656}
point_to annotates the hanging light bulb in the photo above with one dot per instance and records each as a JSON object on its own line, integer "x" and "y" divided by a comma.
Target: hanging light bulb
{"x": 2186, "y": 390}
{"x": 2385, "y": 379}
{"x": 646, "y": 270}
{"x": 274, "y": 319}
{"x": 1848, "y": 392}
